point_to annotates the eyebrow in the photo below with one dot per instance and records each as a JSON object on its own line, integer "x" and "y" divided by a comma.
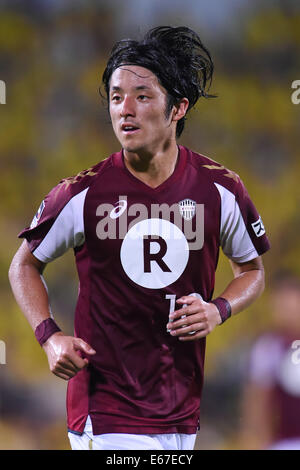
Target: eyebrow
{"x": 140, "y": 87}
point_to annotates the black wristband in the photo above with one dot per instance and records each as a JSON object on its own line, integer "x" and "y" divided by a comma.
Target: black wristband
{"x": 223, "y": 306}
{"x": 46, "y": 329}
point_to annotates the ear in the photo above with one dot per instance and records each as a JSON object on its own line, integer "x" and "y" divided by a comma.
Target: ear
{"x": 180, "y": 109}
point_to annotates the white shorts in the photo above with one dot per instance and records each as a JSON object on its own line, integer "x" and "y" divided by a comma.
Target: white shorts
{"x": 116, "y": 441}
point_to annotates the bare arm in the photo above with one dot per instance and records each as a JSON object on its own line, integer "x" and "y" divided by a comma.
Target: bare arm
{"x": 248, "y": 284}
{"x": 29, "y": 288}
{"x": 202, "y": 317}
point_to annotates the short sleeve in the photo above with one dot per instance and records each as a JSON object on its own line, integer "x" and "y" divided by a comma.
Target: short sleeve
{"x": 242, "y": 233}
{"x": 57, "y": 226}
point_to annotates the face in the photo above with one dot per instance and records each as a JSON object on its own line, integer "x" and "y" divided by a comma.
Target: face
{"x": 137, "y": 105}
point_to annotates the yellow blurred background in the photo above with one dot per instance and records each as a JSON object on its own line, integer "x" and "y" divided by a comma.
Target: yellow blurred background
{"x": 54, "y": 124}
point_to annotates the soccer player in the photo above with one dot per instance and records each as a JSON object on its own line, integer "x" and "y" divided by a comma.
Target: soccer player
{"x": 271, "y": 398}
{"x": 146, "y": 225}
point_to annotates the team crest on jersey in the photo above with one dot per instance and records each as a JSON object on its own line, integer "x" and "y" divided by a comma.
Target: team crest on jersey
{"x": 187, "y": 208}
{"x": 38, "y": 215}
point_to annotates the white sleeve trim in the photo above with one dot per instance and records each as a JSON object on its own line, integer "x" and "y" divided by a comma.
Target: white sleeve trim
{"x": 66, "y": 232}
{"x": 234, "y": 238}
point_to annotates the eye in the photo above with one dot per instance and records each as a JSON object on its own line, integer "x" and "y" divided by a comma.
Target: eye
{"x": 142, "y": 97}
{"x": 116, "y": 98}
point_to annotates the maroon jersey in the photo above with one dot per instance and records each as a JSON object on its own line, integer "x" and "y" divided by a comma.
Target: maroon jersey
{"x": 137, "y": 249}
{"x": 271, "y": 366}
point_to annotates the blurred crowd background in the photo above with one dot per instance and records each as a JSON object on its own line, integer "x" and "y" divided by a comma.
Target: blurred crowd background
{"x": 55, "y": 124}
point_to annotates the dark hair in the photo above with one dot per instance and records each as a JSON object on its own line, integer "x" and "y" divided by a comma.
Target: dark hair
{"x": 176, "y": 56}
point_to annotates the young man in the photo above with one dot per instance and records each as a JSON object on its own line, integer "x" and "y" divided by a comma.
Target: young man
{"x": 146, "y": 225}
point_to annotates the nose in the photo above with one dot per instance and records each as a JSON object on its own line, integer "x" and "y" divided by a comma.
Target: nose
{"x": 127, "y": 108}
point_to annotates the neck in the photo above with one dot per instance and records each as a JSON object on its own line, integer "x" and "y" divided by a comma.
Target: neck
{"x": 152, "y": 168}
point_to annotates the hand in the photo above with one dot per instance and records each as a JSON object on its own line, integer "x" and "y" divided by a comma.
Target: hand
{"x": 64, "y": 360}
{"x": 194, "y": 320}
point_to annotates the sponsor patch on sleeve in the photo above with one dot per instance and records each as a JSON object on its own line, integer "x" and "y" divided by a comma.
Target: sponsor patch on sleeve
{"x": 258, "y": 228}
{"x": 38, "y": 215}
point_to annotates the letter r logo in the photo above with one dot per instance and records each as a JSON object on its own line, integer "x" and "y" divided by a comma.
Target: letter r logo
{"x": 154, "y": 253}
{"x": 155, "y": 256}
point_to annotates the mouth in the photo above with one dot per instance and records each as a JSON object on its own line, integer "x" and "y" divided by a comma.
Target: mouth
{"x": 129, "y": 129}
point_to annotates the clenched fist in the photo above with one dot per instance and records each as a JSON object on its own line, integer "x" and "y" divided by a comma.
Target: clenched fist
{"x": 62, "y": 352}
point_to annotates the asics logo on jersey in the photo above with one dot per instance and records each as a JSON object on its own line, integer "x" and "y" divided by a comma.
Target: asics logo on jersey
{"x": 119, "y": 209}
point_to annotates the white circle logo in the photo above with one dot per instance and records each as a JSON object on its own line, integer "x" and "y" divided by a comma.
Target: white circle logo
{"x": 154, "y": 253}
